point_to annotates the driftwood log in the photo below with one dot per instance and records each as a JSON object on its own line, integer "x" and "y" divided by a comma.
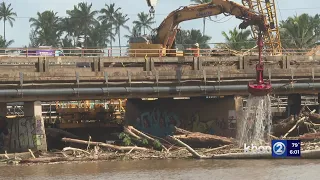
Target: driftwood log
{"x": 115, "y": 147}
{"x": 296, "y": 126}
{"x": 314, "y": 117}
{"x": 310, "y": 136}
{"x": 201, "y": 140}
{"x": 192, "y": 151}
{"x": 181, "y": 131}
{"x": 140, "y": 135}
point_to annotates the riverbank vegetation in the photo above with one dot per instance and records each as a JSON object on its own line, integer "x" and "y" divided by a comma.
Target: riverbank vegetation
{"x": 101, "y": 28}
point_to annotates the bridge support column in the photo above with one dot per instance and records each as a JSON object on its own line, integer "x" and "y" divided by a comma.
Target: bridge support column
{"x": 3, "y": 109}
{"x": 96, "y": 65}
{"x": 32, "y": 108}
{"x": 33, "y": 112}
{"x": 294, "y": 104}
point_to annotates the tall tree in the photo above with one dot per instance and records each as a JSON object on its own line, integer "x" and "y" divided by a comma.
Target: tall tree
{"x": 6, "y": 14}
{"x": 144, "y": 22}
{"x": 68, "y": 25}
{"x": 108, "y": 16}
{"x": 188, "y": 38}
{"x": 4, "y": 43}
{"x": 120, "y": 22}
{"x": 47, "y": 28}
{"x": 99, "y": 35}
{"x": 300, "y": 32}
{"x": 133, "y": 32}
{"x": 238, "y": 39}
{"x": 34, "y": 42}
{"x": 204, "y": 19}
{"x": 84, "y": 17}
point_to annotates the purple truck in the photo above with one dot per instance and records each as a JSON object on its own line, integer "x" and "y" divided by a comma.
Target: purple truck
{"x": 42, "y": 51}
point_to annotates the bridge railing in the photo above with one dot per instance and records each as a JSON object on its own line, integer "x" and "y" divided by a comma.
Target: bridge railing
{"x": 126, "y": 52}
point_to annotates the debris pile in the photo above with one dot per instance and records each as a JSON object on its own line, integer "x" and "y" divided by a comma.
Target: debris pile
{"x": 135, "y": 144}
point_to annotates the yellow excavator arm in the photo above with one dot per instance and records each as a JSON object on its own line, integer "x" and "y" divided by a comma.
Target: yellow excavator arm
{"x": 167, "y": 30}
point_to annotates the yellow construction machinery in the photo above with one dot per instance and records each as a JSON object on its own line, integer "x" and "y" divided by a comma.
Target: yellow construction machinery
{"x": 271, "y": 37}
{"x": 162, "y": 43}
{"x": 90, "y": 113}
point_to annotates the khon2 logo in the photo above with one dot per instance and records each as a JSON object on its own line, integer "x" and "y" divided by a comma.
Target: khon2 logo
{"x": 279, "y": 149}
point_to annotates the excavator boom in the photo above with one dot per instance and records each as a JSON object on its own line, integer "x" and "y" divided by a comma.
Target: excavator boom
{"x": 167, "y": 30}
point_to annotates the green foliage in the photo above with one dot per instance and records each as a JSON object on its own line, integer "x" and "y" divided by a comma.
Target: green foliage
{"x": 6, "y": 14}
{"x": 157, "y": 144}
{"x": 83, "y": 27}
{"x": 238, "y": 39}
{"x": 4, "y": 43}
{"x": 126, "y": 140}
{"x": 189, "y": 37}
{"x": 145, "y": 142}
{"x": 144, "y": 22}
{"x": 300, "y": 32}
{"x": 46, "y": 29}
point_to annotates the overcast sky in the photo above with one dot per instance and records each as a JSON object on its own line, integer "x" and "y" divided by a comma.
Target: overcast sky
{"x": 28, "y": 8}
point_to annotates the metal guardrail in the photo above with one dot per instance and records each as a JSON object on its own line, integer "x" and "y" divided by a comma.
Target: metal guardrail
{"x": 279, "y": 103}
{"x": 125, "y": 51}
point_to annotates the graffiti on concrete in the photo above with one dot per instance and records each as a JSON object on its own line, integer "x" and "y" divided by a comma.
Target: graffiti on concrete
{"x": 157, "y": 122}
{"x": 23, "y": 134}
{"x": 196, "y": 124}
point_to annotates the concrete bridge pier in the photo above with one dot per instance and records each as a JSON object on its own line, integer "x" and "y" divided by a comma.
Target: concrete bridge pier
{"x": 23, "y": 133}
{"x": 294, "y": 104}
{"x": 33, "y": 111}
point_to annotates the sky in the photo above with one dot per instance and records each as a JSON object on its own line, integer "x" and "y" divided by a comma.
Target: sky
{"x": 29, "y": 8}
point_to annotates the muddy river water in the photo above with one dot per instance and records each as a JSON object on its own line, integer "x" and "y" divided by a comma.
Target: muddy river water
{"x": 169, "y": 169}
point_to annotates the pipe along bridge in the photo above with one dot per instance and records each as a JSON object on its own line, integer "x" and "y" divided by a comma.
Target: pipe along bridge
{"x": 77, "y": 78}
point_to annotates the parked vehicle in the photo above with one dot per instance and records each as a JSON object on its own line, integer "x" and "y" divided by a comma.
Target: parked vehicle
{"x": 43, "y": 51}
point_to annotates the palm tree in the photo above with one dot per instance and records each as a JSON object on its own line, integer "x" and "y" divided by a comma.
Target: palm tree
{"x": 34, "y": 42}
{"x": 300, "y": 31}
{"x": 120, "y": 21}
{"x": 108, "y": 16}
{"x": 72, "y": 32}
{"x": 238, "y": 40}
{"x": 144, "y": 22}
{"x": 204, "y": 19}
{"x": 7, "y": 14}
{"x": 47, "y": 28}
{"x": 83, "y": 16}
{"x": 187, "y": 38}
{"x": 99, "y": 35}
{"x": 4, "y": 43}
{"x": 133, "y": 32}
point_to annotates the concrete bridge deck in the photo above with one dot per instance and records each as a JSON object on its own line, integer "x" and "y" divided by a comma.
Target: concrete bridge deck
{"x": 73, "y": 78}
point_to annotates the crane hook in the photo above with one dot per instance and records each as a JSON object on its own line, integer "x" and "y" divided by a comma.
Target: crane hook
{"x": 152, "y": 12}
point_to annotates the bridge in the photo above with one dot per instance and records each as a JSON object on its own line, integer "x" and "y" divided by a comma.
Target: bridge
{"x": 220, "y": 81}
{"x": 75, "y": 78}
